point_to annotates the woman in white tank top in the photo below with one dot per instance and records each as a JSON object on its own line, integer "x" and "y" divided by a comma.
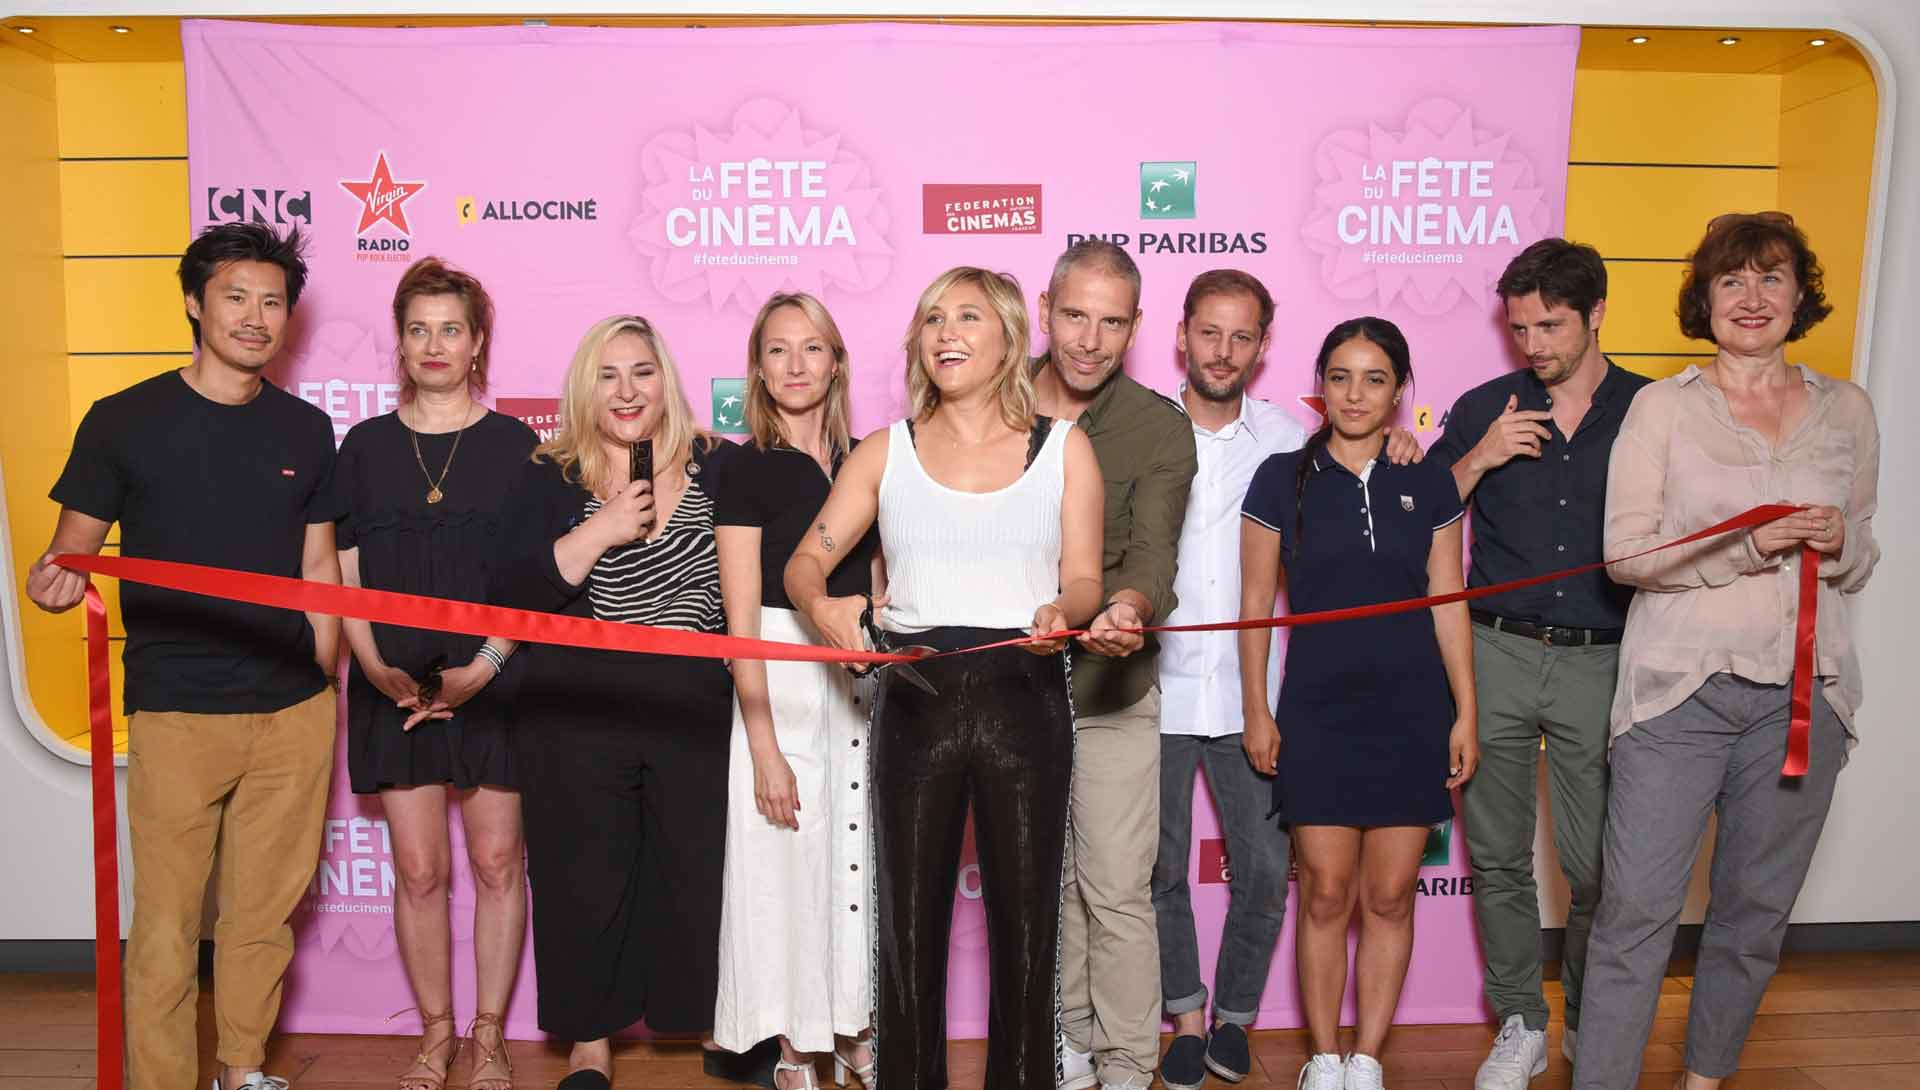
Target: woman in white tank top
{"x": 990, "y": 522}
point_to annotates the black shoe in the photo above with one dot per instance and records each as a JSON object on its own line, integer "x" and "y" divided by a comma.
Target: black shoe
{"x": 1181, "y": 1068}
{"x": 1227, "y": 1053}
{"x": 754, "y": 1067}
{"x": 585, "y": 1079}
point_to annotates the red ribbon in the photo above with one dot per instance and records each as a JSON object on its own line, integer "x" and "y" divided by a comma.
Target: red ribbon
{"x": 1800, "y": 721}
{"x": 469, "y": 618}
{"x": 109, "y": 1059}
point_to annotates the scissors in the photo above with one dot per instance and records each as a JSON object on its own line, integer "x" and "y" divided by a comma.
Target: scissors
{"x": 878, "y": 640}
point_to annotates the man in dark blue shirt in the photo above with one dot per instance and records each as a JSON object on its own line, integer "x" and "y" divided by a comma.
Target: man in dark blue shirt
{"x": 1529, "y": 452}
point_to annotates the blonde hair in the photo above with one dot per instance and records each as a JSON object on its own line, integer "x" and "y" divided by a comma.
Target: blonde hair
{"x": 763, "y": 413}
{"x": 576, "y": 447}
{"x": 1012, "y": 383}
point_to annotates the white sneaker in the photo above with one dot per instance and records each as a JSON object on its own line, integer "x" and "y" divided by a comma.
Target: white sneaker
{"x": 1363, "y": 1073}
{"x": 1323, "y": 1072}
{"x": 1518, "y": 1055}
{"x": 1134, "y": 1082}
{"x": 1076, "y": 1068}
{"x": 1570, "y": 1043}
{"x": 259, "y": 1080}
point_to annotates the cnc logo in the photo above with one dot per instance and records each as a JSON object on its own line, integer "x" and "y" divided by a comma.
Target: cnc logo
{"x": 979, "y": 209}
{"x": 383, "y": 199}
{"x": 1166, "y": 191}
{"x": 277, "y": 207}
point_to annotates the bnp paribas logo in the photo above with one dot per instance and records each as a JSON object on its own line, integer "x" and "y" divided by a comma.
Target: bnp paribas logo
{"x": 1166, "y": 191}
{"x": 730, "y": 406}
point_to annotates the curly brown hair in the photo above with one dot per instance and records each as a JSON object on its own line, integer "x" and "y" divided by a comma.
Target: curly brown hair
{"x": 1751, "y": 240}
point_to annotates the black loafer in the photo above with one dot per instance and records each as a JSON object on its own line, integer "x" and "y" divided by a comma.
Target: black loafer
{"x": 585, "y": 1079}
{"x": 1182, "y": 1067}
{"x": 1227, "y": 1053}
{"x": 754, "y": 1067}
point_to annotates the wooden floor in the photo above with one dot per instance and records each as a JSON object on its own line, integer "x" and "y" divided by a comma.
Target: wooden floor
{"x": 1829, "y": 1022}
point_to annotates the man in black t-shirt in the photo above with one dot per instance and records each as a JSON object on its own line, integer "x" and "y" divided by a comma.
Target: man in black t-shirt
{"x": 1529, "y": 452}
{"x": 230, "y": 706}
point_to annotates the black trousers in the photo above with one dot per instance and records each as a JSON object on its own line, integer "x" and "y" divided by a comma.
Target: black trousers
{"x": 998, "y": 735}
{"x": 623, "y": 794}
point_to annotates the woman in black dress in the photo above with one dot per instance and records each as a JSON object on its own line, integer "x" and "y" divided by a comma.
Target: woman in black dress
{"x": 622, "y": 757}
{"x": 1376, "y": 715}
{"x": 425, "y": 715}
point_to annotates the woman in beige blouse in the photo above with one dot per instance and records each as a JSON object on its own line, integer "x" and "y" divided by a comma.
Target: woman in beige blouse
{"x": 1700, "y": 710}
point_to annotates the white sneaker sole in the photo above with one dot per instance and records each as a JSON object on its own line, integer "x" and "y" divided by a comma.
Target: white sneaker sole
{"x": 1080, "y": 1083}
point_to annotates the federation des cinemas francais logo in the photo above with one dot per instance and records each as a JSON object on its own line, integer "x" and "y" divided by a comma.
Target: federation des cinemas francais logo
{"x": 383, "y": 200}
{"x": 979, "y": 209}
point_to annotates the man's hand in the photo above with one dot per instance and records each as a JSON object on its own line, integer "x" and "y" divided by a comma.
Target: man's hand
{"x": 1105, "y": 635}
{"x": 1403, "y": 448}
{"x": 54, "y": 588}
{"x": 1514, "y": 433}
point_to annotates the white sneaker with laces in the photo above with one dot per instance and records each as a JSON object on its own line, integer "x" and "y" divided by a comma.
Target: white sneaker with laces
{"x": 1570, "y": 1043}
{"x": 1076, "y": 1068}
{"x": 1325, "y": 1071}
{"x": 259, "y": 1080}
{"x": 1363, "y": 1073}
{"x": 1518, "y": 1055}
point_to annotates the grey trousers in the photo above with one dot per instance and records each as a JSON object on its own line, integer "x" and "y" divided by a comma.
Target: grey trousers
{"x": 1529, "y": 690}
{"x": 1256, "y": 885}
{"x": 1719, "y": 751}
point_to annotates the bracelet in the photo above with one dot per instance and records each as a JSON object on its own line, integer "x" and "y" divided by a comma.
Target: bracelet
{"x": 493, "y": 658}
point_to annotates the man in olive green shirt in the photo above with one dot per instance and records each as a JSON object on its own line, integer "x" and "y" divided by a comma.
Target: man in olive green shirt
{"x": 1109, "y": 946}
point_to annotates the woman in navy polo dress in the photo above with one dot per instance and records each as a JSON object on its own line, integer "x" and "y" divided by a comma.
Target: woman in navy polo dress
{"x": 1377, "y": 713}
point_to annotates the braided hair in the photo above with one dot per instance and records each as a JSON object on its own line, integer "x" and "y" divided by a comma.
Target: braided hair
{"x": 1382, "y": 334}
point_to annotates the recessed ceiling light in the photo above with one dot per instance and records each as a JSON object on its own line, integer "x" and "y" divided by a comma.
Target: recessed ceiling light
{"x": 1729, "y": 40}
{"x": 24, "y": 29}
{"x": 1638, "y": 39}
{"x": 121, "y": 29}
{"x": 1818, "y": 42}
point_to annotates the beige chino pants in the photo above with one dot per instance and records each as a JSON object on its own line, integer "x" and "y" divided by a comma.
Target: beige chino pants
{"x": 1109, "y": 943}
{"x": 256, "y": 786}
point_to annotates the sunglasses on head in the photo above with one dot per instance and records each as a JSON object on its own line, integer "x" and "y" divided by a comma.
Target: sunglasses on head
{"x": 1730, "y": 218}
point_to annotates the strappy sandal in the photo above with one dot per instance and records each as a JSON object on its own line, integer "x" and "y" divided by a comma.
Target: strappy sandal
{"x": 843, "y": 1062}
{"x": 805, "y": 1069}
{"x": 423, "y": 1061}
{"x": 494, "y": 1056}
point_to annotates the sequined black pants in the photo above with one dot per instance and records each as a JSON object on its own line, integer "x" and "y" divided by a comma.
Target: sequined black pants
{"x": 999, "y": 736}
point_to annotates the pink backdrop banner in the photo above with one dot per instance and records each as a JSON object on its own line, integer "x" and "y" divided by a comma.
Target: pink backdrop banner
{"x": 686, "y": 174}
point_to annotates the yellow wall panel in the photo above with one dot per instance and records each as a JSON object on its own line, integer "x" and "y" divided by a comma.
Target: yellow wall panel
{"x": 90, "y": 378}
{"x": 125, "y": 305}
{"x": 1675, "y": 117}
{"x": 1641, "y": 299}
{"x": 33, "y": 443}
{"x": 1826, "y": 149}
{"x": 1658, "y": 211}
{"x": 122, "y": 110}
{"x": 1657, "y": 366}
{"x": 1829, "y": 75}
{"x": 122, "y": 206}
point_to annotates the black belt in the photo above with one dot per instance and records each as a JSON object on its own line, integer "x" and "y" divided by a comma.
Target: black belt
{"x": 1546, "y": 633}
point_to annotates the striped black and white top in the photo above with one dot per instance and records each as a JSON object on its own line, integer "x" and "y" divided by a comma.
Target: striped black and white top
{"x": 670, "y": 582}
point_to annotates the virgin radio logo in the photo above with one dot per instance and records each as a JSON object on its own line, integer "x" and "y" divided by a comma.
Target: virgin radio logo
{"x": 383, "y": 199}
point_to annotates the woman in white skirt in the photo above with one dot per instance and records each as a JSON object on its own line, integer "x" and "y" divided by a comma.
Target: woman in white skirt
{"x": 795, "y": 931}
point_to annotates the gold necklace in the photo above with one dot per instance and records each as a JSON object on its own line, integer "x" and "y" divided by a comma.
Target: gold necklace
{"x": 434, "y": 495}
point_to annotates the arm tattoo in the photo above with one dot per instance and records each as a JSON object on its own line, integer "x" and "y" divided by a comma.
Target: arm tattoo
{"x": 826, "y": 539}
